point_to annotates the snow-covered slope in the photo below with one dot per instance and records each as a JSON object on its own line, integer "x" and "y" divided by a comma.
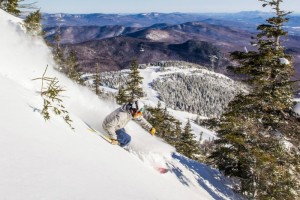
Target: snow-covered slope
{"x": 47, "y": 160}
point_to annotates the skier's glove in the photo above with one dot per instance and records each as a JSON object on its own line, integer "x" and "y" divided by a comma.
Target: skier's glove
{"x": 114, "y": 142}
{"x": 152, "y": 131}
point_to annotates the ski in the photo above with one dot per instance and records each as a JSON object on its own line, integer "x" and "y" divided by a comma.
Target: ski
{"x": 99, "y": 133}
{"x": 161, "y": 170}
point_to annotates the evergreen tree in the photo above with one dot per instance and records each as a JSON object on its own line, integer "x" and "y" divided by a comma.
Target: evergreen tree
{"x": 248, "y": 146}
{"x": 51, "y": 94}
{"x": 66, "y": 59}
{"x": 157, "y": 118}
{"x": 187, "y": 145}
{"x": 134, "y": 88}
{"x": 171, "y": 128}
{"x": 11, "y": 6}
{"x": 58, "y": 53}
{"x": 14, "y": 7}
{"x": 32, "y": 23}
{"x": 97, "y": 80}
{"x": 167, "y": 126}
{"x": 177, "y": 132}
{"x": 72, "y": 67}
{"x": 122, "y": 96}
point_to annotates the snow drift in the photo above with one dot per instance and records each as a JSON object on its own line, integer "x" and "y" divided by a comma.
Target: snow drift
{"x": 47, "y": 160}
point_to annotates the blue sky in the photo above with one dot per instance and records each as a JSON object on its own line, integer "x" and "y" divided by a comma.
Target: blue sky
{"x": 166, "y": 6}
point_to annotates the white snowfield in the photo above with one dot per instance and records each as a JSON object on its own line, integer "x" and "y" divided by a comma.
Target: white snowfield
{"x": 157, "y": 35}
{"x": 49, "y": 161}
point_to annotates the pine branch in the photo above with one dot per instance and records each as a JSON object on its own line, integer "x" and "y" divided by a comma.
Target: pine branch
{"x": 51, "y": 94}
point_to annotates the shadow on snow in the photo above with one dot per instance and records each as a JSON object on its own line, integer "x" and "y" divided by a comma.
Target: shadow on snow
{"x": 209, "y": 179}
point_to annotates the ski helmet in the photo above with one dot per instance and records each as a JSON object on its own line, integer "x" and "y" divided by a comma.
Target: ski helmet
{"x": 138, "y": 106}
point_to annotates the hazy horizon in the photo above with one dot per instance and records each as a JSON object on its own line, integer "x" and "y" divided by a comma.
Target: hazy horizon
{"x": 160, "y": 6}
{"x": 133, "y": 13}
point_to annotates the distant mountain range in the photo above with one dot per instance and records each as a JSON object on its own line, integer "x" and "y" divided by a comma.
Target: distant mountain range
{"x": 113, "y": 47}
{"x": 242, "y": 20}
{"x": 117, "y": 53}
{"x": 113, "y": 40}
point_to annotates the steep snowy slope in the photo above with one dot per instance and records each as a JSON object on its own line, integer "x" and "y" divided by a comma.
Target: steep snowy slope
{"x": 47, "y": 160}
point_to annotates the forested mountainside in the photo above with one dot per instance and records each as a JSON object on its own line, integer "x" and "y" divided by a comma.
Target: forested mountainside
{"x": 200, "y": 92}
{"x": 117, "y": 53}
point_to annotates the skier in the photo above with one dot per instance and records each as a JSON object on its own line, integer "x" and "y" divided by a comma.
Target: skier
{"x": 115, "y": 122}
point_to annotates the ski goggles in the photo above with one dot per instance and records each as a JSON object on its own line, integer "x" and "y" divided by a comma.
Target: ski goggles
{"x": 139, "y": 113}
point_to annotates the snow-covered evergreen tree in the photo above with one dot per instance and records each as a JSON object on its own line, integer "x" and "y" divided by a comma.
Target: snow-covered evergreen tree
{"x": 200, "y": 92}
{"x": 250, "y": 144}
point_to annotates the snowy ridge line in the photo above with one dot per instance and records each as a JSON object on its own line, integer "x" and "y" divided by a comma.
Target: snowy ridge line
{"x": 192, "y": 71}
